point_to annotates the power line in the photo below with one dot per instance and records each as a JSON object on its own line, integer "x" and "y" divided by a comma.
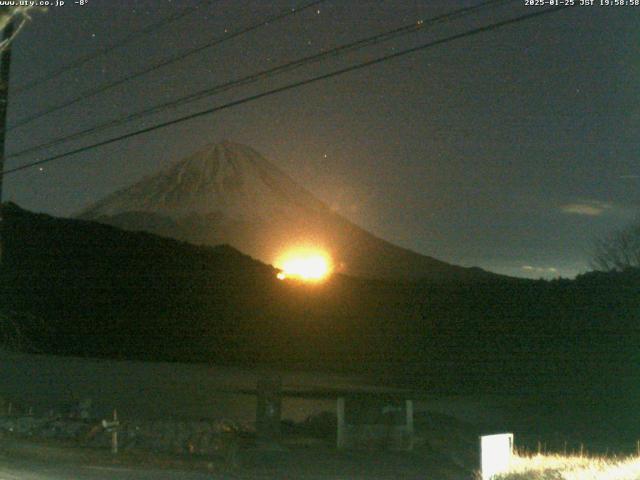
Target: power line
{"x": 359, "y": 66}
{"x": 163, "y": 63}
{"x": 287, "y": 67}
{"x": 103, "y": 51}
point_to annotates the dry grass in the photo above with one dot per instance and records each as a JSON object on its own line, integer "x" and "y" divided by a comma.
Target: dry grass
{"x": 576, "y": 467}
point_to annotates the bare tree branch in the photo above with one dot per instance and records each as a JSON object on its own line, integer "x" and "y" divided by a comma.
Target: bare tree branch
{"x": 618, "y": 251}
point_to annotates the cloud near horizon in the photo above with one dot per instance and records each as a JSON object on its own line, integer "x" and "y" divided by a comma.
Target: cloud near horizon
{"x": 591, "y": 208}
{"x": 540, "y": 270}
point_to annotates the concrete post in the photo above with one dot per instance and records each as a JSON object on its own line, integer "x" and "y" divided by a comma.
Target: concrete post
{"x": 269, "y": 408}
{"x": 114, "y": 433}
{"x": 341, "y": 433}
{"x": 409, "y": 409}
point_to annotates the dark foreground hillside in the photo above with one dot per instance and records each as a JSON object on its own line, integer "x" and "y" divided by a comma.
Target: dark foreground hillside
{"x": 80, "y": 288}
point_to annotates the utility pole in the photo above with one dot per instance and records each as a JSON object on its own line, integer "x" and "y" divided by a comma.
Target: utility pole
{"x": 5, "y": 63}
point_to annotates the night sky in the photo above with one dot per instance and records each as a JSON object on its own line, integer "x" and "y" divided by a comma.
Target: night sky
{"x": 510, "y": 150}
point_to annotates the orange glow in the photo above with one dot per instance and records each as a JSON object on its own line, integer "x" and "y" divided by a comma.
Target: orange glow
{"x": 309, "y": 265}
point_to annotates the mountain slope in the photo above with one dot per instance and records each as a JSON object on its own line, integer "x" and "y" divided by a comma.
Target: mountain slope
{"x": 228, "y": 193}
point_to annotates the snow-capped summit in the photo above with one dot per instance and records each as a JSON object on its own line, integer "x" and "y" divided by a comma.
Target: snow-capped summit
{"x": 229, "y": 193}
{"x": 227, "y": 179}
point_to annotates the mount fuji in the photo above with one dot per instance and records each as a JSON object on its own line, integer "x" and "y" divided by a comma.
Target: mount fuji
{"x": 227, "y": 193}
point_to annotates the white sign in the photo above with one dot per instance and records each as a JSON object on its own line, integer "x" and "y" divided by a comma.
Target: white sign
{"x": 495, "y": 454}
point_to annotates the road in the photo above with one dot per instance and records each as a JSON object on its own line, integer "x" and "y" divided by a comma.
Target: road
{"x": 352, "y": 467}
{"x": 22, "y": 469}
